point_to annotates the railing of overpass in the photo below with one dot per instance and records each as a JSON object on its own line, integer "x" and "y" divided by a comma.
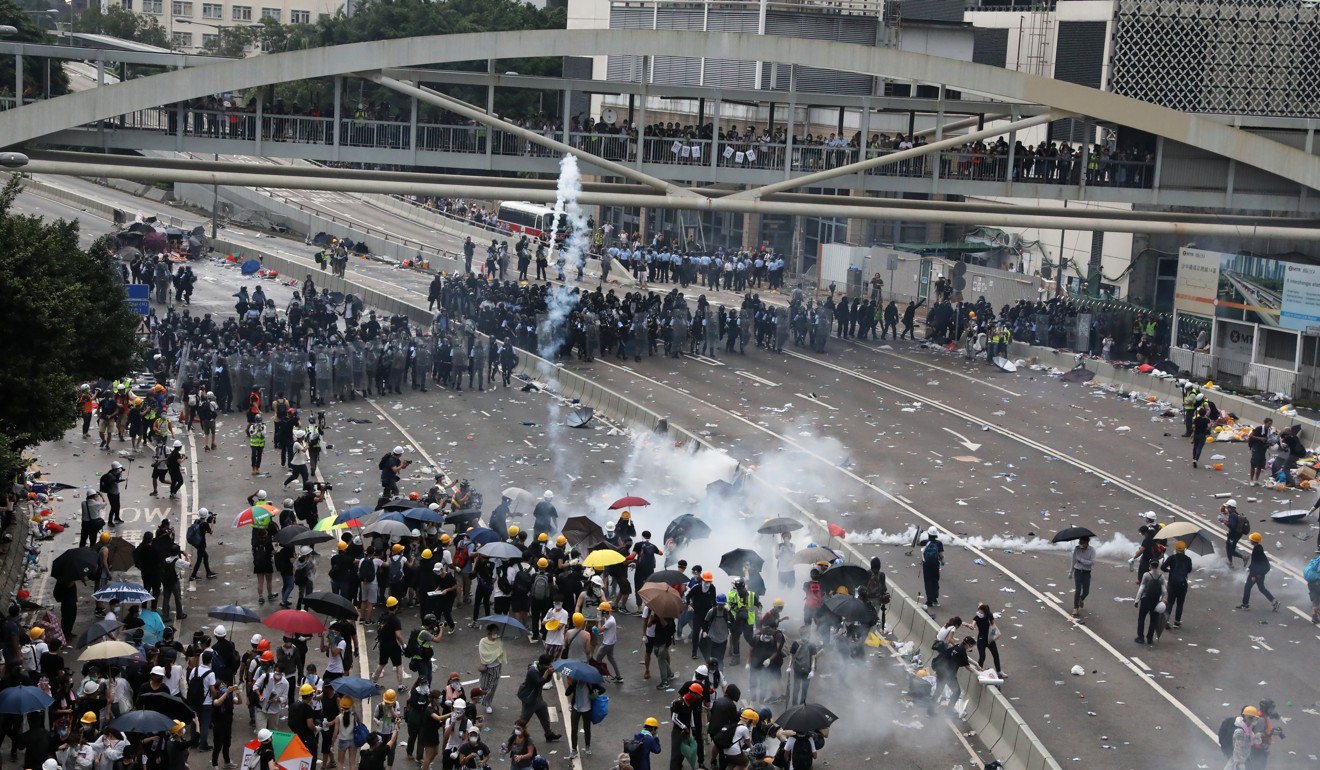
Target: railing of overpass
{"x": 986, "y": 163}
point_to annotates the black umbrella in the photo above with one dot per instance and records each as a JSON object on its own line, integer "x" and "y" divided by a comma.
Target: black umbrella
{"x": 1071, "y": 533}
{"x": 735, "y": 561}
{"x": 779, "y": 526}
{"x": 74, "y": 564}
{"x": 332, "y": 604}
{"x": 849, "y": 608}
{"x": 670, "y": 577}
{"x": 1080, "y": 374}
{"x": 171, "y": 706}
{"x": 401, "y": 505}
{"x": 232, "y": 613}
{"x": 290, "y": 532}
{"x": 309, "y": 538}
{"x": 1199, "y": 544}
{"x": 687, "y": 527}
{"x": 719, "y": 488}
{"x": 142, "y": 722}
{"x": 848, "y": 575}
{"x": 1166, "y": 366}
{"x": 582, "y": 532}
{"x": 462, "y": 519}
{"x": 579, "y": 418}
{"x": 98, "y": 631}
{"x": 809, "y": 717}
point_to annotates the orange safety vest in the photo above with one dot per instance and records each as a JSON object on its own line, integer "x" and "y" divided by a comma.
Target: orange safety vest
{"x": 87, "y": 403}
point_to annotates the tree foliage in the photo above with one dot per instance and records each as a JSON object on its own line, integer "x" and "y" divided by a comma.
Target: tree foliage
{"x": 34, "y": 68}
{"x": 65, "y": 323}
{"x": 115, "y": 21}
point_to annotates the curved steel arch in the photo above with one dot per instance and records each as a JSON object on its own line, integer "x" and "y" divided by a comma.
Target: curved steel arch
{"x": 36, "y": 120}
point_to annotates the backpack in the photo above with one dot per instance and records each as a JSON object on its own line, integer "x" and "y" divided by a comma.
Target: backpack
{"x": 1312, "y": 571}
{"x": 413, "y": 647}
{"x": 360, "y": 734}
{"x": 541, "y": 587}
{"x": 1244, "y": 524}
{"x": 930, "y": 555}
{"x": 631, "y": 746}
{"x": 803, "y": 748}
{"x": 460, "y": 557}
{"x": 802, "y": 657}
{"x": 814, "y": 598}
{"x": 194, "y": 534}
{"x": 366, "y": 569}
{"x": 197, "y": 688}
{"x": 522, "y": 581}
{"x": 31, "y": 661}
{"x": 384, "y": 462}
{"x": 502, "y": 580}
{"x": 1226, "y": 730}
{"x": 722, "y": 737}
{"x": 396, "y": 568}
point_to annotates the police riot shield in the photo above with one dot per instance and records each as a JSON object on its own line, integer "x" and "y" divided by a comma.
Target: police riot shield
{"x": 297, "y": 376}
{"x": 358, "y": 365}
{"x": 824, "y": 323}
{"x": 398, "y": 362}
{"x": 241, "y": 377}
{"x": 324, "y": 375}
{"x": 280, "y": 374}
{"x": 422, "y": 361}
{"x": 342, "y": 372}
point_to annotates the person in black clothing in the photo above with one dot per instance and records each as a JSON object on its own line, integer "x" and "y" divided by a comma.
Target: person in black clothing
{"x": 205, "y": 527}
{"x": 683, "y": 719}
{"x": 530, "y": 695}
{"x": 302, "y": 719}
{"x": 724, "y": 714}
{"x": 1179, "y": 567}
{"x": 376, "y": 753}
{"x": 947, "y": 665}
{"x": 222, "y": 722}
{"x": 1200, "y": 432}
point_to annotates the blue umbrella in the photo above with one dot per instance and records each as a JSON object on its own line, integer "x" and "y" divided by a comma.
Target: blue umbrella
{"x": 153, "y": 628}
{"x": 355, "y": 687}
{"x": 422, "y": 514}
{"x": 24, "y": 700}
{"x": 482, "y": 535}
{"x": 578, "y": 671}
{"x": 142, "y": 722}
{"x": 251, "y": 266}
{"x": 390, "y": 516}
{"x": 502, "y": 620}
{"x": 124, "y": 591}
{"x": 348, "y": 514}
{"x": 232, "y": 613}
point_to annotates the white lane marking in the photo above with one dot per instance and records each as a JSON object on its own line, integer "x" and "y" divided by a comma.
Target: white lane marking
{"x": 904, "y": 499}
{"x": 705, "y": 360}
{"x": 417, "y": 445}
{"x": 1265, "y": 646}
{"x": 1006, "y": 489}
{"x": 985, "y": 556}
{"x": 1140, "y": 663}
{"x": 971, "y": 753}
{"x": 953, "y": 372}
{"x": 815, "y": 400}
{"x": 1301, "y": 614}
{"x": 754, "y": 378}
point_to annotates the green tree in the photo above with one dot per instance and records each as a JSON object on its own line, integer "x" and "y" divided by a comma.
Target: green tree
{"x": 123, "y": 24}
{"x": 65, "y": 323}
{"x": 34, "y": 68}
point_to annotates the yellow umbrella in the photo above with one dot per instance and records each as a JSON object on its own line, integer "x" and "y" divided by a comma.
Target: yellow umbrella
{"x": 108, "y": 649}
{"x": 605, "y": 557}
{"x": 328, "y": 523}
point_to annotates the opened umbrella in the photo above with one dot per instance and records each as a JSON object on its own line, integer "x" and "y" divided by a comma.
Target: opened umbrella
{"x": 849, "y": 608}
{"x": 578, "y": 671}
{"x": 850, "y": 576}
{"x": 664, "y": 600}
{"x": 309, "y": 538}
{"x": 582, "y": 531}
{"x": 121, "y": 554}
{"x": 687, "y": 527}
{"x": 500, "y": 550}
{"x": 1071, "y": 533}
{"x": 124, "y": 591}
{"x": 1080, "y": 374}
{"x": 482, "y": 535}
{"x": 578, "y": 418}
{"x": 739, "y": 559}
{"x": 153, "y": 628}
{"x": 232, "y": 613}
{"x": 24, "y": 699}
{"x": 384, "y": 515}
{"x": 520, "y": 500}
{"x": 720, "y": 488}
{"x": 503, "y": 620}
{"x": 457, "y": 519}
{"x": 671, "y": 577}
{"x": 171, "y": 706}
{"x": 779, "y": 526}
{"x": 354, "y": 512}
{"x": 142, "y": 722}
{"x": 631, "y": 501}
{"x": 355, "y": 687}
{"x": 1178, "y": 529}
{"x": 1199, "y": 544}
{"x": 814, "y": 555}
{"x": 808, "y": 717}
{"x": 388, "y": 527}
{"x": 263, "y": 513}
{"x": 332, "y": 522}
{"x": 288, "y": 533}
{"x": 74, "y": 564}
{"x": 108, "y": 649}
{"x": 332, "y": 604}
{"x": 295, "y": 622}
{"x": 428, "y": 516}
{"x": 98, "y": 631}
{"x": 602, "y": 558}
{"x": 400, "y": 505}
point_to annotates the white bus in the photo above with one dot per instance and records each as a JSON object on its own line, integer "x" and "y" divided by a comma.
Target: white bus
{"x": 531, "y": 218}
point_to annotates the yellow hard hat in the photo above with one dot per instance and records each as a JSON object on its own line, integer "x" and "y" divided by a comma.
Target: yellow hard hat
{"x": 35, "y": 632}
{"x": 1180, "y": 546}
{"x": 552, "y": 624}
{"x": 345, "y": 702}
{"x": 392, "y": 602}
{"x": 921, "y": 672}
{"x": 306, "y": 689}
{"x": 396, "y": 548}
{"x": 445, "y": 540}
{"x": 579, "y": 620}
{"x": 513, "y": 530}
{"x": 543, "y": 538}
{"x": 1250, "y": 711}
{"x": 751, "y": 716}
{"x": 651, "y": 722}
{"x": 604, "y": 607}
{"x": 778, "y": 602}
{"x": 625, "y": 515}
{"x": 105, "y": 537}
{"x": 176, "y": 729}
{"x": 426, "y": 554}
{"x": 542, "y": 562}
{"x": 342, "y": 546}
{"x": 1256, "y": 537}
{"x": 390, "y": 696}
{"x": 841, "y": 590}
{"x": 89, "y": 718}
{"x": 561, "y": 541}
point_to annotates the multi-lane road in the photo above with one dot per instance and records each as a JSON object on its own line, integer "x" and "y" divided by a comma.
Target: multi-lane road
{"x": 879, "y": 438}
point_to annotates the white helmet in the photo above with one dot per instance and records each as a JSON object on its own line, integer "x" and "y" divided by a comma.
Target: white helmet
{"x": 549, "y": 494}
{"x": 89, "y": 492}
{"x": 210, "y": 394}
{"x": 117, "y": 466}
{"x": 264, "y": 735}
{"x": 85, "y": 386}
{"x": 702, "y": 670}
{"x": 1230, "y": 503}
{"x": 178, "y": 444}
{"x": 415, "y": 533}
{"x": 932, "y": 532}
{"x": 299, "y": 434}
{"x": 256, "y": 639}
{"x": 202, "y": 513}
{"x": 459, "y": 704}
{"x": 305, "y": 550}
{"x": 261, "y": 493}
{"x": 221, "y": 632}
{"x": 434, "y": 506}
{"x": 398, "y": 450}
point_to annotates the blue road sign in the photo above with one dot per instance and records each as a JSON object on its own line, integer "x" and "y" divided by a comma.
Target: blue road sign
{"x": 140, "y": 306}
{"x": 138, "y": 291}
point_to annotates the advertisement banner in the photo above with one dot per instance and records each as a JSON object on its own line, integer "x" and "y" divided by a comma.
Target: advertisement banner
{"x": 1239, "y": 287}
{"x": 1198, "y": 282}
{"x": 1301, "y": 298}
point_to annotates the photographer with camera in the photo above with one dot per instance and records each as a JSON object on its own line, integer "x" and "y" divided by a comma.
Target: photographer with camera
{"x": 315, "y": 430}
{"x": 196, "y": 536}
{"x": 305, "y": 505}
{"x": 298, "y": 457}
{"x": 391, "y": 465}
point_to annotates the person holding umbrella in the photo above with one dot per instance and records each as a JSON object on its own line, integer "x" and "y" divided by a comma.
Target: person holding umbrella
{"x": 580, "y": 696}
{"x": 1083, "y": 560}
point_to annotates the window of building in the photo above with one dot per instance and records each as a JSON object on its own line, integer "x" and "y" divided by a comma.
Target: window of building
{"x": 210, "y": 40}
{"x": 241, "y": 13}
{"x": 300, "y": 17}
{"x": 322, "y": 17}
{"x": 127, "y": 5}
{"x": 153, "y": 6}
{"x": 274, "y": 14}
{"x": 182, "y": 8}
{"x": 213, "y": 11}
{"x": 182, "y": 39}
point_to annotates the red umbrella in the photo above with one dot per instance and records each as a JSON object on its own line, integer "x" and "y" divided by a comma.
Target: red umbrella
{"x": 837, "y": 531}
{"x": 295, "y": 622}
{"x": 631, "y": 501}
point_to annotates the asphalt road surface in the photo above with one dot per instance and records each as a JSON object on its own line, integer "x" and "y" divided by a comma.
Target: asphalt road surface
{"x": 881, "y": 439}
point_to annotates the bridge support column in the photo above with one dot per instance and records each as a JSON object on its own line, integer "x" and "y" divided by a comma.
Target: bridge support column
{"x": 338, "y": 115}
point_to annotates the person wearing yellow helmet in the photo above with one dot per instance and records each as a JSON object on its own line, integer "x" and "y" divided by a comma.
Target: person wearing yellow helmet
{"x": 1244, "y": 739}
{"x": 389, "y": 639}
{"x": 1257, "y": 566}
{"x": 513, "y": 531}
{"x": 647, "y": 743}
{"x": 341, "y": 734}
{"x": 366, "y": 569}
{"x": 386, "y": 718}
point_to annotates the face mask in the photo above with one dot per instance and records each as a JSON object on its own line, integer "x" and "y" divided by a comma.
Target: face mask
{"x": 473, "y": 740}
{"x": 517, "y": 731}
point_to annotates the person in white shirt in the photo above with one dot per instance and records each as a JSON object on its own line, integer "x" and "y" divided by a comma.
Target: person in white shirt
{"x": 298, "y": 463}
{"x": 273, "y": 695}
{"x": 34, "y": 649}
{"x": 555, "y": 624}
{"x": 206, "y": 675}
{"x": 609, "y": 636}
{"x": 742, "y": 736}
{"x": 333, "y": 647}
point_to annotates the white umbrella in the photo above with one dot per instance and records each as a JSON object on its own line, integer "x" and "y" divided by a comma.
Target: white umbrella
{"x": 388, "y": 527}
{"x": 520, "y": 500}
{"x": 1178, "y": 529}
